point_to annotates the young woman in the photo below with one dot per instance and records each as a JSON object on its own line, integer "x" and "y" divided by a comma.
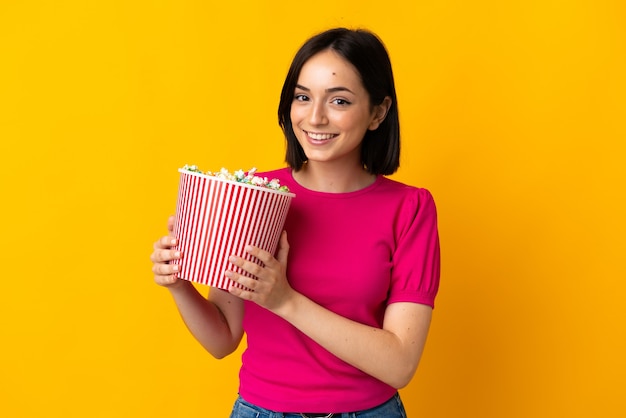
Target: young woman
{"x": 337, "y": 319}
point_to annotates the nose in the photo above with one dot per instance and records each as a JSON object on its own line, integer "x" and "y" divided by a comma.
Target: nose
{"x": 317, "y": 115}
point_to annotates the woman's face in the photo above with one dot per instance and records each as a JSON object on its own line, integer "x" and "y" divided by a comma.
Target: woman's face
{"x": 331, "y": 110}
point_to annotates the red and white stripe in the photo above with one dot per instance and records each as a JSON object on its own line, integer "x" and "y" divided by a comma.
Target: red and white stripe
{"x": 217, "y": 218}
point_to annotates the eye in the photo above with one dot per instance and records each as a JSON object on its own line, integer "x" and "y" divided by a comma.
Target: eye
{"x": 299, "y": 97}
{"x": 341, "y": 102}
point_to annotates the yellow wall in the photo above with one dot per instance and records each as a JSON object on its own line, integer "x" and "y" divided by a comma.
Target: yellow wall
{"x": 513, "y": 114}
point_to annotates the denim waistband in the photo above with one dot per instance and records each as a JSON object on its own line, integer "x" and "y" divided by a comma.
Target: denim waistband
{"x": 393, "y": 408}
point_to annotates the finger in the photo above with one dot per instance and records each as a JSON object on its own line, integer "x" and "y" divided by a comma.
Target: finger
{"x": 241, "y": 293}
{"x": 160, "y": 269}
{"x": 170, "y": 223}
{"x": 165, "y": 280}
{"x": 267, "y": 258}
{"x": 162, "y": 256}
{"x": 283, "y": 249}
{"x": 248, "y": 283}
{"x": 166, "y": 242}
{"x": 249, "y": 266}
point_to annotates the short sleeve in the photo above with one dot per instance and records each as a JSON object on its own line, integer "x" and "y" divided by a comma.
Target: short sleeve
{"x": 416, "y": 258}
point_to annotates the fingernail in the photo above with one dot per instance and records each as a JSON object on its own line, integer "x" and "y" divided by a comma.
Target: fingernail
{"x": 173, "y": 242}
{"x": 177, "y": 254}
{"x": 248, "y": 248}
{"x": 175, "y": 268}
{"x": 233, "y": 259}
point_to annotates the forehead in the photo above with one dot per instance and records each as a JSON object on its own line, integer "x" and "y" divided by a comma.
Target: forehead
{"x": 328, "y": 67}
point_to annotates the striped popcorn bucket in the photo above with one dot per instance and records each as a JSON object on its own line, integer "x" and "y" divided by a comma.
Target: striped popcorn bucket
{"x": 217, "y": 218}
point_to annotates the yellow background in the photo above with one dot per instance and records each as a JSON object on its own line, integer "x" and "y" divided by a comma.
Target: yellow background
{"x": 513, "y": 115}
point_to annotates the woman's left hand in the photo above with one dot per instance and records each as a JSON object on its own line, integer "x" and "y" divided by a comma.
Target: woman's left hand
{"x": 269, "y": 287}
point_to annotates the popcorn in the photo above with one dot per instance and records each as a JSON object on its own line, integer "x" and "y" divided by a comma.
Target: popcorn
{"x": 241, "y": 177}
{"x": 219, "y": 214}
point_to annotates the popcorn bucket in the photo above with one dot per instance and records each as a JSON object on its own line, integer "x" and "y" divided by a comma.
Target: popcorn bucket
{"x": 217, "y": 218}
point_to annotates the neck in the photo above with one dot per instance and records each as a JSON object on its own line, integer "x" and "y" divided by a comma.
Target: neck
{"x": 332, "y": 178}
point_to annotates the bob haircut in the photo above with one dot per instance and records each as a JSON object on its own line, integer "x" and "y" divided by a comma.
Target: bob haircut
{"x": 380, "y": 149}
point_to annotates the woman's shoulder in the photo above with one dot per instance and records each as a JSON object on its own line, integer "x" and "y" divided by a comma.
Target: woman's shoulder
{"x": 404, "y": 190}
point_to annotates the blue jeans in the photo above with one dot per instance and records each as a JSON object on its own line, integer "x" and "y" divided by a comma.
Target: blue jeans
{"x": 393, "y": 408}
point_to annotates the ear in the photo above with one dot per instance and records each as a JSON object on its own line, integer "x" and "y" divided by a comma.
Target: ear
{"x": 380, "y": 113}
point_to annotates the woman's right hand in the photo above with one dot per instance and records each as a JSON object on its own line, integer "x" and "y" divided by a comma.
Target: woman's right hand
{"x": 164, "y": 272}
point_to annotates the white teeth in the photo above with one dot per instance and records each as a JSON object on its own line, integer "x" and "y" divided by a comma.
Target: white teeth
{"x": 320, "y": 137}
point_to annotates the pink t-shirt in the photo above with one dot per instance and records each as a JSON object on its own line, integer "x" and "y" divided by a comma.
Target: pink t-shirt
{"x": 353, "y": 253}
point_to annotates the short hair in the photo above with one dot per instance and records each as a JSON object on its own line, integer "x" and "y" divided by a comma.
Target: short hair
{"x": 380, "y": 150}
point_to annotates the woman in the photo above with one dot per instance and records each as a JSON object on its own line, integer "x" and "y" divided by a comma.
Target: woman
{"x": 337, "y": 320}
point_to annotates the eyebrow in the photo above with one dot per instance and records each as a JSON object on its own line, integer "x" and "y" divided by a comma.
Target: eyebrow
{"x": 329, "y": 90}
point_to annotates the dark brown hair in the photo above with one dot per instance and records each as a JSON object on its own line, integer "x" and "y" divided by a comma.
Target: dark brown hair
{"x": 380, "y": 150}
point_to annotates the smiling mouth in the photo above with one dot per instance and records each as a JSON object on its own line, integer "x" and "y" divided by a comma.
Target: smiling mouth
{"x": 319, "y": 136}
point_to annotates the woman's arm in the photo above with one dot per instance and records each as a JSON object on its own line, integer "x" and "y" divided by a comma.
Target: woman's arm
{"x": 215, "y": 322}
{"x": 390, "y": 354}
